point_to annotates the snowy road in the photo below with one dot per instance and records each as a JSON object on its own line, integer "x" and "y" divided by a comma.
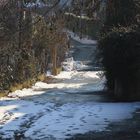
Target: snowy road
{"x": 68, "y": 106}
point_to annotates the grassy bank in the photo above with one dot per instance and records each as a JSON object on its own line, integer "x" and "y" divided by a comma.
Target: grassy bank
{"x": 26, "y": 84}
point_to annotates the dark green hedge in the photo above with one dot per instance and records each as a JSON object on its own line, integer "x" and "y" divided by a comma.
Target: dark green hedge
{"x": 120, "y": 52}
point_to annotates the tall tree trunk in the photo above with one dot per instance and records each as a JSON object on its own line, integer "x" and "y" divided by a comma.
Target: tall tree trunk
{"x": 54, "y": 61}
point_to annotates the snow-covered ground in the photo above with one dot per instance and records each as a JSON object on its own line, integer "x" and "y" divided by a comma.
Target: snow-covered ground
{"x": 71, "y": 119}
{"x": 37, "y": 4}
{"x": 61, "y": 109}
{"x": 65, "y": 3}
{"x": 80, "y": 17}
{"x": 41, "y": 119}
{"x": 71, "y": 82}
{"x": 83, "y": 40}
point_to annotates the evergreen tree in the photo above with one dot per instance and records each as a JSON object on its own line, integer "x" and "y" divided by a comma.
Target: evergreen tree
{"x": 120, "y": 47}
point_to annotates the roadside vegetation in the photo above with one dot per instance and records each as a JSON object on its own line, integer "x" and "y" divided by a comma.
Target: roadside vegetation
{"x": 30, "y": 43}
{"x": 120, "y": 48}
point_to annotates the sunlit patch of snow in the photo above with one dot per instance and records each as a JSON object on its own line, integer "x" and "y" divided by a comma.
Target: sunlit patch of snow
{"x": 72, "y": 82}
{"x": 78, "y": 65}
{"x": 83, "y": 16}
{"x": 4, "y": 109}
{"x": 81, "y": 81}
{"x": 48, "y": 73}
{"x": 26, "y": 92}
{"x": 68, "y": 64}
{"x": 37, "y": 4}
{"x": 16, "y": 112}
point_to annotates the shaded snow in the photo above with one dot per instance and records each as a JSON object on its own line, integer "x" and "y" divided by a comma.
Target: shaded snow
{"x": 41, "y": 121}
{"x": 71, "y": 119}
{"x": 69, "y": 65}
{"x": 84, "y": 40}
{"x": 64, "y": 3}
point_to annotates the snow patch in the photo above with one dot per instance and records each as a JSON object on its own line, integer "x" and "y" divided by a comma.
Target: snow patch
{"x": 70, "y": 65}
{"x": 82, "y": 16}
{"x": 70, "y": 81}
{"x": 71, "y": 119}
{"x": 84, "y": 40}
{"x": 17, "y": 112}
{"x": 37, "y": 4}
{"x": 42, "y": 121}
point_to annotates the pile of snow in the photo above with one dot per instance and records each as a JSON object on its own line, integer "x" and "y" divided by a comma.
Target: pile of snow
{"x": 26, "y": 92}
{"x": 78, "y": 65}
{"x": 84, "y": 40}
{"x": 70, "y": 65}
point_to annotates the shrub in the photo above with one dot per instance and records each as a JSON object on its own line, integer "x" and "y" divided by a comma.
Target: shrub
{"x": 120, "y": 52}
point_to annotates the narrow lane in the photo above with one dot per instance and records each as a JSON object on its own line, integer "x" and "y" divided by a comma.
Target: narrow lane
{"x": 72, "y": 104}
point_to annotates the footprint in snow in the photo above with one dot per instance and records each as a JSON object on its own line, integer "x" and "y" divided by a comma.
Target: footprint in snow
{"x": 81, "y": 125}
{"x": 96, "y": 116}
{"x": 71, "y": 126}
{"x": 106, "y": 120}
{"x": 68, "y": 135}
{"x": 75, "y": 128}
{"x": 100, "y": 109}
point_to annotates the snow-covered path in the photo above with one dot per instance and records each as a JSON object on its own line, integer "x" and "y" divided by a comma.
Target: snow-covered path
{"x": 68, "y": 106}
